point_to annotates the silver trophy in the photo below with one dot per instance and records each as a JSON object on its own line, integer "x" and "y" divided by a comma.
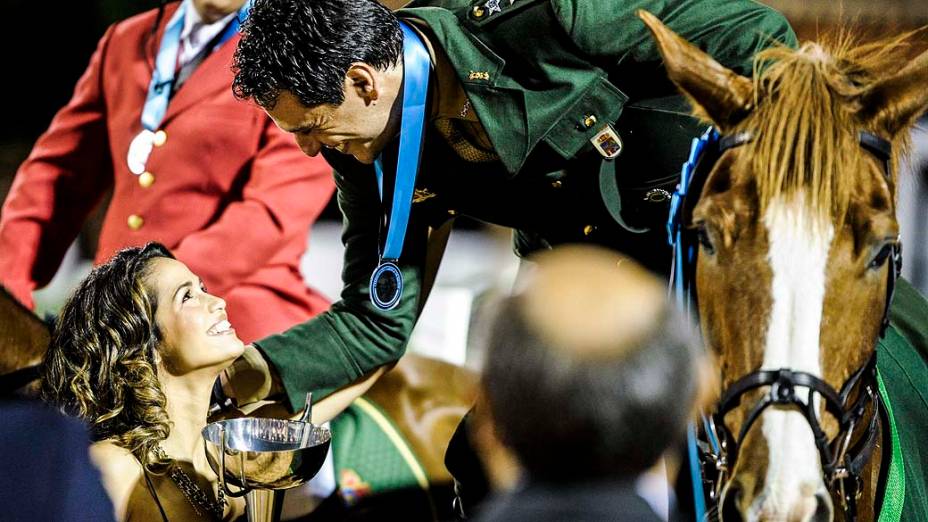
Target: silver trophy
{"x": 261, "y": 457}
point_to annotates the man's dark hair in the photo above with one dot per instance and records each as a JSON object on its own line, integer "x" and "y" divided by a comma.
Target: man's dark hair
{"x": 570, "y": 416}
{"x": 307, "y": 46}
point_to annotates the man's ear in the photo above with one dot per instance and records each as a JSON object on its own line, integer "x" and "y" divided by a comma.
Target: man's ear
{"x": 363, "y": 81}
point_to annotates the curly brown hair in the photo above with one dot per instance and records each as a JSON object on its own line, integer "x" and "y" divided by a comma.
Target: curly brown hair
{"x": 100, "y": 365}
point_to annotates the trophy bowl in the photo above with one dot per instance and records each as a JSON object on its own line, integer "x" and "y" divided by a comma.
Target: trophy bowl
{"x": 260, "y": 453}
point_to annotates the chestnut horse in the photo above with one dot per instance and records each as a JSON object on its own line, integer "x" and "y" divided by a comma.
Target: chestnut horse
{"x": 797, "y": 234}
{"x": 423, "y": 398}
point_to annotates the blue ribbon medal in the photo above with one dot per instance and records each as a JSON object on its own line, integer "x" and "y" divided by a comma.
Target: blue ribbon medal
{"x": 162, "y": 84}
{"x": 387, "y": 280}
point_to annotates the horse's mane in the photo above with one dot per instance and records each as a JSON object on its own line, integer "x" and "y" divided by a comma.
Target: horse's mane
{"x": 805, "y": 123}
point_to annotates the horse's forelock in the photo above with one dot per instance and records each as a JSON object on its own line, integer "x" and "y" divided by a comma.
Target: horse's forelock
{"x": 805, "y": 121}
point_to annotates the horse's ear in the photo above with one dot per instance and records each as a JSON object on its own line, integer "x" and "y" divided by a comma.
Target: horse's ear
{"x": 892, "y": 105}
{"x": 722, "y": 95}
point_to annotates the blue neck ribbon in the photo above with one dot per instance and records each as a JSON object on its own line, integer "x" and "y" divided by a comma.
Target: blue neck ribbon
{"x": 162, "y": 79}
{"x": 416, "y": 66}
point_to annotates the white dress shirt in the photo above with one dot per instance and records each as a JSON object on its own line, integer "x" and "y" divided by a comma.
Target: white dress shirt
{"x": 196, "y": 34}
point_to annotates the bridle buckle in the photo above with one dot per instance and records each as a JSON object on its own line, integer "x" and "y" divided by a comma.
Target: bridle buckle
{"x": 783, "y": 390}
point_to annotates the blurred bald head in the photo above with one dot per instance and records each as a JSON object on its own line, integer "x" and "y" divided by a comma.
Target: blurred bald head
{"x": 591, "y": 302}
{"x": 590, "y": 372}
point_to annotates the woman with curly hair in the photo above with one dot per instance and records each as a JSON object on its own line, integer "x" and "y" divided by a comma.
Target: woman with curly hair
{"x": 135, "y": 353}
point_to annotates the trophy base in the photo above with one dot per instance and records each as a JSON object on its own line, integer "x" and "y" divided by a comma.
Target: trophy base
{"x": 264, "y": 505}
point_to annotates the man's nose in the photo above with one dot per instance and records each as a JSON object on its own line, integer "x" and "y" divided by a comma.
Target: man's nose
{"x": 309, "y": 145}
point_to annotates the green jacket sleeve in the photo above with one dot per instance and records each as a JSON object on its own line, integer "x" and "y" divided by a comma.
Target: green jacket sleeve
{"x": 731, "y": 31}
{"x": 353, "y": 337}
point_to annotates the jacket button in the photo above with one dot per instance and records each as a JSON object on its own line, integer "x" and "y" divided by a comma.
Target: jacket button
{"x": 146, "y": 179}
{"x": 478, "y": 11}
{"x": 452, "y": 212}
{"x": 159, "y": 138}
{"x": 135, "y": 221}
{"x": 589, "y": 120}
{"x": 557, "y": 184}
{"x": 589, "y": 229}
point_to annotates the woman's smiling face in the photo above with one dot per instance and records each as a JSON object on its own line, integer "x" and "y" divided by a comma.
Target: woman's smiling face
{"x": 196, "y": 333}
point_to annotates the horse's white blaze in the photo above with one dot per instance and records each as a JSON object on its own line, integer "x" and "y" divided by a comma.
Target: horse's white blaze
{"x": 799, "y": 240}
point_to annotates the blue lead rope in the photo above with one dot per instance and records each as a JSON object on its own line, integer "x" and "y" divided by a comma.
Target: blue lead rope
{"x": 416, "y": 66}
{"x": 684, "y": 257}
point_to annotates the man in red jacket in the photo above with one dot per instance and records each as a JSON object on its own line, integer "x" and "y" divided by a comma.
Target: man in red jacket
{"x": 153, "y": 118}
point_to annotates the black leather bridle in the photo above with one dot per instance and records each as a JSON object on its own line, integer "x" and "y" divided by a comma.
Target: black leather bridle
{"x": 842, "y": 462}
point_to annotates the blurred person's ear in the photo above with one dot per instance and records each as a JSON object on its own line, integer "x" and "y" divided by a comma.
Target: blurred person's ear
{"x": 500, "y": 463}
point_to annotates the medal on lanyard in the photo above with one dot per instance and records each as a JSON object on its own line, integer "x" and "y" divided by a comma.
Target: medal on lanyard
{"x": 162, "y": 83}
{"x": 386, "y": 285}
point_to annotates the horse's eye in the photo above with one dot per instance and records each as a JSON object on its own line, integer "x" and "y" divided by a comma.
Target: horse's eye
{"x": 702, "y": 235}
{"x": 881, "y": 256}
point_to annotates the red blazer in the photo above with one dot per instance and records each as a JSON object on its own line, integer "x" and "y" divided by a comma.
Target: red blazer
{"x": 233, "y": 196}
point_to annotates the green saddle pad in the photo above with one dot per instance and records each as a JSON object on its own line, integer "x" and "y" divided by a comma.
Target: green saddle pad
{"x": 371, "y": 456}
{"x": 902, "y": 362}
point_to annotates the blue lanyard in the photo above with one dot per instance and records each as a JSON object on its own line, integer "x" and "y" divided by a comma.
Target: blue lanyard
{"x": 162, "y": 79}
{"x": 416, "y": 65}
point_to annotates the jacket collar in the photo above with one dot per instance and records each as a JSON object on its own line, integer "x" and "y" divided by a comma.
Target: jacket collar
{"x": 499, "y": 106}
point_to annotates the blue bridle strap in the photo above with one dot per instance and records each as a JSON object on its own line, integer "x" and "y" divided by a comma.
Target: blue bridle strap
{"x": 684, "y": 256}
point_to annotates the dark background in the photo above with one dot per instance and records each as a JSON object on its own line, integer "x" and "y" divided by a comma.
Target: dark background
{"x": 46, "y": 46}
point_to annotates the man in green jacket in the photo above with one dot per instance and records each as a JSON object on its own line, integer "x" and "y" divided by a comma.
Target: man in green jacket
{"x": 552, "y": 117}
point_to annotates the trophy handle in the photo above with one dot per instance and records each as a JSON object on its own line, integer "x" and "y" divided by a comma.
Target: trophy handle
{"x": 306, "y": 429}
{"x": 241, "y": 469}
{"x": 222, "y": 467}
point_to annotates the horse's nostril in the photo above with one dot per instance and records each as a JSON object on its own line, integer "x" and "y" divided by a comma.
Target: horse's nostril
{"x": 824, "y": 510}
{"x": 729, "y": 511}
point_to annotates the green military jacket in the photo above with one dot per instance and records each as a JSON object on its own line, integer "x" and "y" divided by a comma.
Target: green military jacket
{"x": 543, "y": 76}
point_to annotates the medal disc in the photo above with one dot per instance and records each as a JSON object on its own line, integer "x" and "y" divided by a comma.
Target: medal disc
{"x": 386, "y": 286}
{"x": 139, "y": 150}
